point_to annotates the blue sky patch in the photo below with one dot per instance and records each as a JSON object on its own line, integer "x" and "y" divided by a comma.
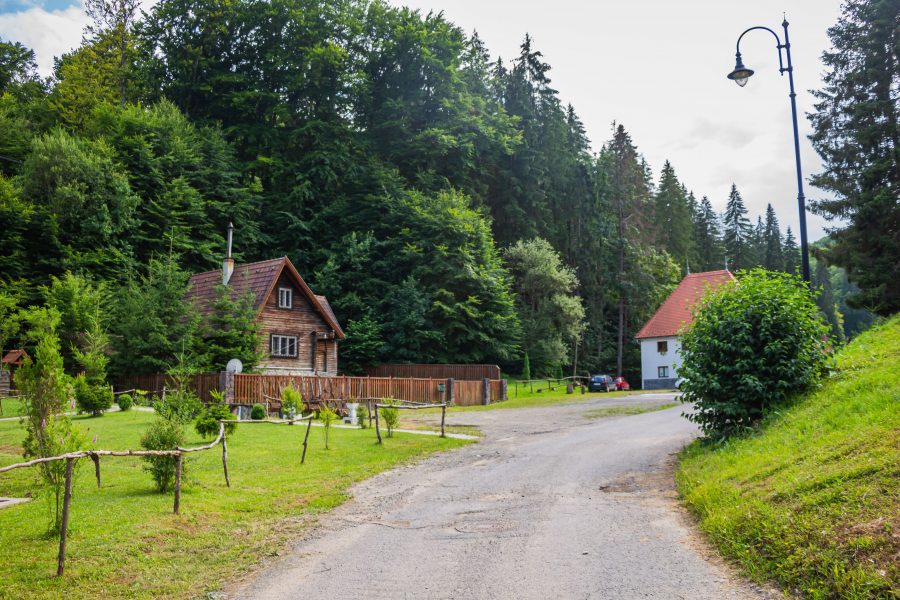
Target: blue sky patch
{"x": 13, "y": 6}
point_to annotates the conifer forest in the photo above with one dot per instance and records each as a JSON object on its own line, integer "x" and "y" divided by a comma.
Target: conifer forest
{"x": 447, "y": 202}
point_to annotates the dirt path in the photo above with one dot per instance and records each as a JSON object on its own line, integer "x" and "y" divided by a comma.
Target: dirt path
{"x": 549, "y": 505}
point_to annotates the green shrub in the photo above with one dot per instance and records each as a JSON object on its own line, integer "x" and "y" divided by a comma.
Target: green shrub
{"x": 163, "y": 434}
{"x": 362, "y": 416}
{"x": 207, "y": 423}
{"x": 125, "y": 402}
{"x": 92, "y": 397}
{"x": 291, "y": 402}
{"x": 327, "y": 416}
{"x": 258, "y": 412}
{"x": 179, "y": 405}
{"x": 753, "y": 344}
{"x": 391, "y": 417}
{"x": 140, "y": 398}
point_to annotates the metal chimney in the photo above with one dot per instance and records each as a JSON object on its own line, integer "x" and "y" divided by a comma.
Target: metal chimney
{"x": 228, "y": 264}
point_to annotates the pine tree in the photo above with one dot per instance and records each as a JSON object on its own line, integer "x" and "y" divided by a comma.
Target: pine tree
{"x": 791, "y": 253}
{"x": 774, "y": 257}
{"x": 710, "y": 254}
{"x": 672, "y": 216}
{"x": 738, "y": 236}
{"x": 857, "y": 133}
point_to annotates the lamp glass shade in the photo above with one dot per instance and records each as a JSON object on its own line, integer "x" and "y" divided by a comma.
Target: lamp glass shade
{"x": 740, "y": 75}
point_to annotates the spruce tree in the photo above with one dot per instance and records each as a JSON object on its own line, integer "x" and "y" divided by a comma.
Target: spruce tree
{"x": 672, "y": 217}
{"x": 857, "y": 133}
{"x": 738, "y": 236}
{"x": 773, "y": 258}
{"x": 791, "y": 252}
{"x": 707, "y": 235}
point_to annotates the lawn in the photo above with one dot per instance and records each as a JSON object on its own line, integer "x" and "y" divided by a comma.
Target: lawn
{"x": 813, "y": 499}
{"x": 624, "y": 411}
{"x": 11, "y": 407}
{"x": 124, "y": 539}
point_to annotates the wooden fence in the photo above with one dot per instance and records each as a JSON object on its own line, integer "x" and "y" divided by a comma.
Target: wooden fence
{"x": 266, "y": 389}
{"x": 457, "y": 372}
{"x": 336, "y": 391}
{"x": 154, "y": 385}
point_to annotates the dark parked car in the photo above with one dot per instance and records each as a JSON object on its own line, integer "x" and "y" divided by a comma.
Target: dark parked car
{"x": 601, "y": 383}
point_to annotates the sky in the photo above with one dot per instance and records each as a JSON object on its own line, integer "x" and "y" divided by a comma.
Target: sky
{"x": 656, "y": 66}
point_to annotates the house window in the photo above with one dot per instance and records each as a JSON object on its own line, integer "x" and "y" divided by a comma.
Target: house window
{"x": 662, "y": 347}
{"x": 663, "y": 372}
{"x": 285, "y": 297}
{"x": 284, "y": 345}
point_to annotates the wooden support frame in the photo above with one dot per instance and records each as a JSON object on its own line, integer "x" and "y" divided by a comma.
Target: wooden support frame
{"x": 407, "y": 406}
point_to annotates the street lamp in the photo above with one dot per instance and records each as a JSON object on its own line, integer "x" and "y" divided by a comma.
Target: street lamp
{"x": 740, "y": 75}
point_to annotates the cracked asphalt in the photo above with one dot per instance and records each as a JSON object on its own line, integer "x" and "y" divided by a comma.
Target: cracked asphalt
{"x": 549, "y": 504}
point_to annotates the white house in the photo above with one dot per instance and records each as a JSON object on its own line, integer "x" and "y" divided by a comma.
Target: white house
{"x": 659, "y": 338}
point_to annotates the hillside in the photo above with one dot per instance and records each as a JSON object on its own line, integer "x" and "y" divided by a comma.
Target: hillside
{"x": 812, "y": 501}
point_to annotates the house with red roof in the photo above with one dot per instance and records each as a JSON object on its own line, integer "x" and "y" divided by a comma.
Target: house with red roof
{"x": 300, "y": 331}
{"x": 659, "y": 337}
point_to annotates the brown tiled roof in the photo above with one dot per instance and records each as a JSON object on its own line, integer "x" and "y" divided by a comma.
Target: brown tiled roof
{"x": 259, "y": 279}
{"x": 675, "y": 312}
{"x": 15, "y": 357}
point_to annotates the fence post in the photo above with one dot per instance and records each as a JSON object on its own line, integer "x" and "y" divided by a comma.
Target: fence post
{"x": 226, "y": 383}
{"x": 306, "y": 440}
{"x": 504, "y": 389}
{"x": 451, "y": 396}
{"x": 178, "y": 467}
{"x": 64, "y": 527}
{"x": 485, "y": 391}
{"x": 377, "y": 427}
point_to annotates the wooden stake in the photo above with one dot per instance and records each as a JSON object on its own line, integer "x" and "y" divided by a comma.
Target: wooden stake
{"x": 225, "y": 461}
{"x": 377, "y": 428}
{"x": 178, "y": 460}
{"x": 443, "y": 417}
{"x": 64, "y": 528}
{"x": 96, "y": 460}
{"x": 306, "y": 440}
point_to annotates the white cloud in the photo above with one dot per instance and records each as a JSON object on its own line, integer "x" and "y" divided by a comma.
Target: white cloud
{"x": 48, "y": 33}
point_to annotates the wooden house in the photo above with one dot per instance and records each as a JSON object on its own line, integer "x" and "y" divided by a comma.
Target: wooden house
{"x": 10, "y": 362}
{"x": 300, "y": 330}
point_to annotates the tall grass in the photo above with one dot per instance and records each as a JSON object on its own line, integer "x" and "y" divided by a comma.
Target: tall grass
{"x": 812, "y": 501}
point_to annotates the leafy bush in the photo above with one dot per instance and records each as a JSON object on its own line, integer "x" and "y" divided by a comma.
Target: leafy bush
{"x": 391, "y": 417}
{"x": 92, "y": 397}
{"x": 327, "y": 416}
{"x": 291, "y": 402}
{"x": 179, "y": 405}
{"x": 753, "y": 344}
{"x": 207, "y": 423}
{"x": 140, "y": 398}
{"x": 362, "y": 416}
{"x": 258, "y": 412}
{"x": 125, "y": 402}
{"x": 163, "y": 434}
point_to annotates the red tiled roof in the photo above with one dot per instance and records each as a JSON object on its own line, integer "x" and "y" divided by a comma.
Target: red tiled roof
{"x": 675, "y": 312}
{"x": 259, "y": 279}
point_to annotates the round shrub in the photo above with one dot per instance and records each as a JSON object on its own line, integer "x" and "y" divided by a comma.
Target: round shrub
{"x": 91, "y": 397}
{"x": 207, "y": 423}
{"x": 753, "y": 344}
{"x": 125, "y": 402}
{"x": 258, "y": 412}
{"x": 163, "y": 434}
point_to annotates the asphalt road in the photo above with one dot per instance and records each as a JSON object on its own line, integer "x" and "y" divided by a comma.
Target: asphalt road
{"x": 550, "y": 504}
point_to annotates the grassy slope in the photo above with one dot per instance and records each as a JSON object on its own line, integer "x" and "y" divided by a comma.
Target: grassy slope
{"x": 813, "y": 499}
{"x": 125, "y": 541}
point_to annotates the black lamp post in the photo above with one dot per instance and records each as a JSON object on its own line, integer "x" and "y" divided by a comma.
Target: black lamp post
{"x": 740, "y": 75}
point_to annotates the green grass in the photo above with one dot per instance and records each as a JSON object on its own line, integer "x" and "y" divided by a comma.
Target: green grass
{"x": 617, "y": 411}
{"x": 812, "y": 500}
{"x": 124, "y": 540}
{"x": 520, "y": 396}
{"x": 12, "y": 407}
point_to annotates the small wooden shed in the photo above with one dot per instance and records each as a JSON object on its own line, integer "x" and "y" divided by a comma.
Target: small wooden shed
{"x": 11, "y": 361}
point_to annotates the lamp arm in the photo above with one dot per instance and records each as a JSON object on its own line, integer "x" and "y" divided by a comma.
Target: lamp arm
{"x": 781, "y": 68}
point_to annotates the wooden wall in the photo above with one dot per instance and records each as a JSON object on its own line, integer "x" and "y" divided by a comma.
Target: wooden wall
{"x": 437, "y": 371}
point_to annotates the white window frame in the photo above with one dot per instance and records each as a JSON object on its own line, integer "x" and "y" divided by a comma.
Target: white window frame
{"x": 662, "y": 372}
{"x": 284, "y": 346}
{"x": 285, "y": 297}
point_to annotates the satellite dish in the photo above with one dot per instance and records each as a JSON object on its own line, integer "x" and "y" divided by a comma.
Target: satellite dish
{"x": 234, "y": 366}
